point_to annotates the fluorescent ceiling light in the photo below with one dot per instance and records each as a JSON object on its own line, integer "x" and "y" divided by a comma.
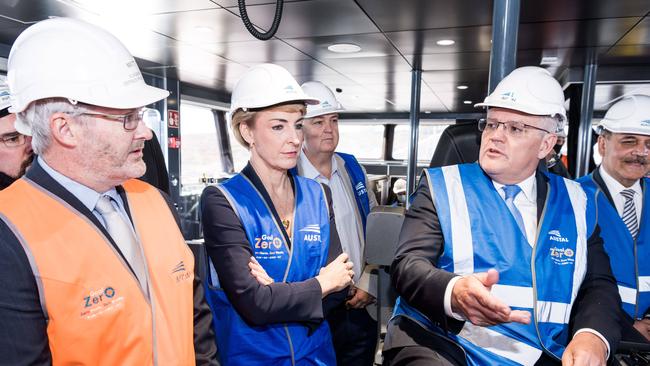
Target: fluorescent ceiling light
{"x": 549, "y": 61}
{"x": 445, "y": 42}
{"x": 462, "y": 87}
{"x": 344, "y": 48}
{"x": 467, "y": 102}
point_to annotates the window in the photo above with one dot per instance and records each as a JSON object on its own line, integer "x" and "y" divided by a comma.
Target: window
{"x": 365, "y": 141}
{"x": 428, "y": 137}
{"x": 240, "y": 154}
{"x": 200, "y": 154}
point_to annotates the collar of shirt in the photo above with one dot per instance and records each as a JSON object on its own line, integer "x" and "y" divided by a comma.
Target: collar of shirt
{"x": 86, "y": 195}
{"x": 615, "y": 187}
{"x": 528, "y": 188}
{"x": 309, "y": 170}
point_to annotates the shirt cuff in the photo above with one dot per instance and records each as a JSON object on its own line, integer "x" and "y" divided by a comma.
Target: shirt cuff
{"x": 447, "y": 300}
{"x": 595, "y": 332}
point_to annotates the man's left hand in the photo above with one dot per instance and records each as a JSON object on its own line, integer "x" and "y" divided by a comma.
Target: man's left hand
{"x": 360, "y": 300}
{"x": 585, "y": 349}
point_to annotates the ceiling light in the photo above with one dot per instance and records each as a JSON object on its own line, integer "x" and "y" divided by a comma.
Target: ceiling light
{"x": 344, "y": 48}
{"x": 467, "y": 102}
{"x": 549, "y": 61}
{"x": 445, "y": 42}
{"x": 203, "y": 29}
{"x": 462, "y": 87}
{"x": 427, "y": 112}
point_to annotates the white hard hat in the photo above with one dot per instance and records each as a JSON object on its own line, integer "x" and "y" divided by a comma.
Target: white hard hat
{"x": 529, "y": 89}
{"x": 5, "y": 98}
{"x": 399, "y": 186}
{"x": 72, "y": 59}
{"x": 328, "y": 103}
{"x": 629, "y": 115}
{"x": 265, "y": 85}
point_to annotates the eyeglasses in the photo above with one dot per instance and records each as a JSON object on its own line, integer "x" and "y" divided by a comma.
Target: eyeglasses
{"x": 13, "y": 139}
{"x": 512, "y": 128}
{"x": 129, "y": 121}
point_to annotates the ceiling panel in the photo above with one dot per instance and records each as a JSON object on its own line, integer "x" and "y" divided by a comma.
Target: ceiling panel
{"x": 384, "y": 64}
{"x": 452, "y": 61}
{"x": 372, "y": 44}
{"x": 565, "y": 34}
{"x": 200, "y": 27}
{"x": 272, "y": 50}
{"x": 402, "y": 15}
{"x": 640, "y": 34}
{"x": 309, "y": 68}
{"x": 233, "y": 3}
{"x": 468, "y": 39}
{"x": 314, "y": 18}
{"x": 552, "y": 10}
{"x": 633, "y": 54}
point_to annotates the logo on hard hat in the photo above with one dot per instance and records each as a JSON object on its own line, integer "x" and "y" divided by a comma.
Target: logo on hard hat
{"x": 645, "y": 123}
{"x": 508, "y": 96}
{"x": 289, "y": 89}
{"x": 325, "y": 104}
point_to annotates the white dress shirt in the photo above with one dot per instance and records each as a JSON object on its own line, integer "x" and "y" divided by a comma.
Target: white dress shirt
{"x": 615, "y": 188}
{"x": 345, "y": 212}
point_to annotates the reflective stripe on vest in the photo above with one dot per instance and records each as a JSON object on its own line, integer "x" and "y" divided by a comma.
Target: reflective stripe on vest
{"x": 359, "y": 189}
{"x": 96, "y": 312}
{"x": 628, "y": 257}
{"x": 465, "y": 198}
{"x": 292, "y": 343}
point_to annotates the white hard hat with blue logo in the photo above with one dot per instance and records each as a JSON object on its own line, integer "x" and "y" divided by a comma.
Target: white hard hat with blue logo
{"x": 532, "y": 90}
{"x": 629, "y": 115}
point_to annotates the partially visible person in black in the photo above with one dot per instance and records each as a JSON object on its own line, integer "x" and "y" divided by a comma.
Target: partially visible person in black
{"x": 15, "y": 148}
{"x": 271, "y": 236}
{"x": 458, "y": 144}
{"x": 156, "y": 173}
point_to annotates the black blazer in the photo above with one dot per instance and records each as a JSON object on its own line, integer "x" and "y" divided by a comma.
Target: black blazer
{"x": 23, "y": 327}
{"x": 422, "y": 285}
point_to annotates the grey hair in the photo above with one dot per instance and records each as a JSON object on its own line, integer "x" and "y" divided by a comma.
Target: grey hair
{"x": 555, "y": 123}
{"x": 37, "y": 116}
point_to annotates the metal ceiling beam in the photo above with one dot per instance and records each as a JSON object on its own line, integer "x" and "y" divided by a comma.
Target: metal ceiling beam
{"x": 416, "y": 88}
{"x": 505, "y": 26}
{"x": 586, "y": 115}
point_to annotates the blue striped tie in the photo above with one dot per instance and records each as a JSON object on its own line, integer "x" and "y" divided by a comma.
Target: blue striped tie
{"x": 629, "y": 212}
{"x": 511, "y": 192}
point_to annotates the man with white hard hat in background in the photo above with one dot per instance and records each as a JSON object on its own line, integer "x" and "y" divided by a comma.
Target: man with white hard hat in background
{"x": 15, "y": 148}
{"x": 499, "y": 263}
{"x": 619, "y": 188}
{"x": 354, "y": 331}
{"x": 93, "y": 267}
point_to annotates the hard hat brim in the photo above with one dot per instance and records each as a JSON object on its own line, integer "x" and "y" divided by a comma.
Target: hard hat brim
{"x": 324, "y": 112}
{"x": 517, "y": 107}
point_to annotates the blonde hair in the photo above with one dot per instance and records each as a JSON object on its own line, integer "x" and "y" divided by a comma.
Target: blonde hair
{"x": 248, "y": 117}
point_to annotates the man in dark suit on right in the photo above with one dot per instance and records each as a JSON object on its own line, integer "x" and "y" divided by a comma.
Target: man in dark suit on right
{"x": 499, "y": 263}
{"x": 619, "y": 188}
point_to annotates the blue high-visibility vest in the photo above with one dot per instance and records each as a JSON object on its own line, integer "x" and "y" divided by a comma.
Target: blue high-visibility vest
{"x": 275, "y": 344}
{"x": 480, "y": 233}
{"x": 358, "y": 180}
{"x": 628, "y": 257}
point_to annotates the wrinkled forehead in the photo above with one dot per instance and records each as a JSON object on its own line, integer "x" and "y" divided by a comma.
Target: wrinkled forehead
{"x": 7, "y": 124}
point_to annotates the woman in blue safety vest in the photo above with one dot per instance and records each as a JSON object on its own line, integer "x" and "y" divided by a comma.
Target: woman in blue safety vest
{"x": 276, "y": 267}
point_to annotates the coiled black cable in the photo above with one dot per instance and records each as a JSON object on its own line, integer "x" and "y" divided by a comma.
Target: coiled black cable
{"x": 251, "y": 28}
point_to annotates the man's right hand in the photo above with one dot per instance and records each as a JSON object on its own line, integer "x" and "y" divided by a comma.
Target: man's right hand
{"x": 643, "y": 327}
{"x": 471, "y": 297}
{"x": 336, "y": 276}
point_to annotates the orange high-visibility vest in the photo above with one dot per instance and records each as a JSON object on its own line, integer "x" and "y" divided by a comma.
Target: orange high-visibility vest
{"x": 96, "y": 312}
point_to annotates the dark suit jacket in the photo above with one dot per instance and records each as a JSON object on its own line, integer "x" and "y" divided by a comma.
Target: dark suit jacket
{"x": 629, "y": 333}
{"x": 23, "y": 327}
{"x": 422, "y": 285}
